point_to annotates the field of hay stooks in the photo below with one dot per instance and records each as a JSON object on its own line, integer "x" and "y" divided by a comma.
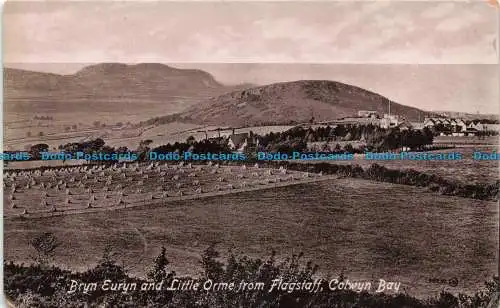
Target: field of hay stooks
{"x": 79, "y": 189}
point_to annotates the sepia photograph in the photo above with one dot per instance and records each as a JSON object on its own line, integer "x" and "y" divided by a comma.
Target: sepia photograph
{"x": 250, "y": 154}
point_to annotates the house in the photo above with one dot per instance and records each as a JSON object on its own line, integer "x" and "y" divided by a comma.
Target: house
{"x": 367, "y": 114}
{"x": 354, "y": 121}
{"x": 389, "y": 121}
{"x": 450, "y": 125}
{"x": 445, "y": 121}
{"x": 405, "y": 125}
{"x": 429, "y": 122}
{"x": 475, "y": 126}
{"x": 221, "y": 135}
{"x": 460, "y": 125}
{"x": 240, "y": 141}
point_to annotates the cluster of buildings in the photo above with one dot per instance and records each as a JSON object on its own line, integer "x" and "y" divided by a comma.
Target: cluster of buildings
{"x": 236, "y": 141}
{"x": 368, "y": 117}
{"x": 460, "y": 127}
{"x": 443, "y": 125}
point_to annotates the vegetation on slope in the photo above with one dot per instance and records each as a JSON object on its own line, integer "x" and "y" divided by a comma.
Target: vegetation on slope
{"x": 41, "y": 285}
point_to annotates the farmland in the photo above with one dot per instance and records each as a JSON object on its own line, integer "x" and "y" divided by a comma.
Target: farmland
{"x": 87, "y": 188}
{"x": 466, "y": 170}
{"x": 342, "y": 225}
{"x": 54, "y": 133}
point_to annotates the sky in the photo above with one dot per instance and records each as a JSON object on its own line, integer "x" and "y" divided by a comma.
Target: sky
{"x": 398, "y": 48}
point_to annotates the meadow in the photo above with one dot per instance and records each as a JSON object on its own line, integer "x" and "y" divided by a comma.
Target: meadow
{"x": 76, "y": 189}
{"x": 465, "y": 170}
{"x": 364, "y": 229}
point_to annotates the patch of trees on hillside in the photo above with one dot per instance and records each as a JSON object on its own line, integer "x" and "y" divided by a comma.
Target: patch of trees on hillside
{"x": 376, "y": 138}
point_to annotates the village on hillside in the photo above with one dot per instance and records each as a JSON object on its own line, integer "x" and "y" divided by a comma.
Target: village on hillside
{"x": 239, "y": 138}
{"x": 443, "y": 125}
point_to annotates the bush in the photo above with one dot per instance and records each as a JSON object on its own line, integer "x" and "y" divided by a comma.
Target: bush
{"x": 34, "y": 286}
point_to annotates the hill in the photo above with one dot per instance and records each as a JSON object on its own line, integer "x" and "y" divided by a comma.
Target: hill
{"x": 293, "y": 101}
{"x": 107, "y": 83}
{"x": 468, "y": 116}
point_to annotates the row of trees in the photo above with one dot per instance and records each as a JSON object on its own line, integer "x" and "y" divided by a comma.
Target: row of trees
{"x": 376, "y": 138}
{"x": 99, "y": 145}
{"x": 385, "y": 140}
{"x": 41, "y": 285}
{"x": 295, "y": 139}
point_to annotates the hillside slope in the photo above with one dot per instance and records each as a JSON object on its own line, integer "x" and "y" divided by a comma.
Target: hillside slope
{"x": 292, "y": 101}
{"x": 106, "y": 84}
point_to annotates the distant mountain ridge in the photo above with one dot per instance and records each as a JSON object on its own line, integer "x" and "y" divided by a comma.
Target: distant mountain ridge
{"x": 293, "y": 101}
{"x": 194, "y": 95}
{"x": 467, "y": 115}
{"x": 150, "y": 81}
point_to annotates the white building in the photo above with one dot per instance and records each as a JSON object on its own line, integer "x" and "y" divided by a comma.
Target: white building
{"x": 390, "y": 120}
{"x": 368, "y": 114}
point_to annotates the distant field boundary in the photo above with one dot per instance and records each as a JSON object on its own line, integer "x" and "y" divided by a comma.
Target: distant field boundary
{"x": 405, "y": 177}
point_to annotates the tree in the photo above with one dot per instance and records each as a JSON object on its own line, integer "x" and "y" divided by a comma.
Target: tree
{"x": 348, "y": 148}
{"x": 143, "y": 149}
{"x": 158, "y": 271}
{"x": 190, "y": 140}
{"x": 74, "y": 126}
{"x": 35, "y": 150}
{"x": 337, "y": 148}
{"x": 325, "y": 147}
{"x": 213, "y": 269}
{"x": 45, "y": 245}
{"x": 97, "y": 144}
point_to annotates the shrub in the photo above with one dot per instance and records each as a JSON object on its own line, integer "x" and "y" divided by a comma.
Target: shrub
{"x": 34, "y": 286}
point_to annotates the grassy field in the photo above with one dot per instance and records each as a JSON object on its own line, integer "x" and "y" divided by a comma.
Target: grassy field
{"x": 79, "y": 189}
{"x": 466, "y": 170}
{"x": 54, "y": 133}
{"x": 466, "y": 140}
{"x": 369, "y": 230}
